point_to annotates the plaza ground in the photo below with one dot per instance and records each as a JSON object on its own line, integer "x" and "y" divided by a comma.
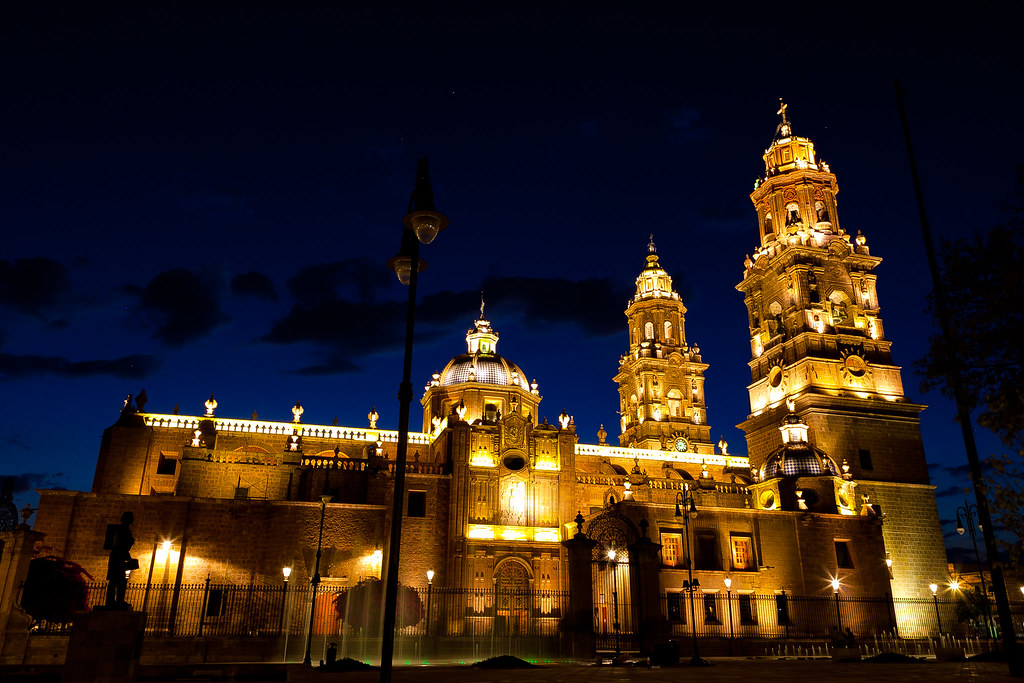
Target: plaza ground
{"x": 722, "y": 669}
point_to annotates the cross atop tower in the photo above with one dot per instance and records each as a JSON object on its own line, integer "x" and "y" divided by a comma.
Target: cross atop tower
{"x": 782, "y": 109}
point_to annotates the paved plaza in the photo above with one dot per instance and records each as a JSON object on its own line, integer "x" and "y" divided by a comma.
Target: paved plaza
{"x": 734, "y": 669}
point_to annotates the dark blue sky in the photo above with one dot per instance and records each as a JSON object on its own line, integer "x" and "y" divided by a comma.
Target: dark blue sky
{"x": 201, "y": 200}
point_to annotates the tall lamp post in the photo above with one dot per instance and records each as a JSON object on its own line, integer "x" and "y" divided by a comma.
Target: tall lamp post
{"x": 287, "y": 571}
{"x": 955, "y": 382}
{"x": 615, "y": 600}
{"x": 967, "y": 510}
{"x": 430, "y": 585}
{"x": 835, "y": 592}
{"x": 422, "y": 223}
{"x": 315, "y": 581}
{"x": 728, "y": 603}
{"x": 935, "y": 597}
{"x": 692, "y": 585}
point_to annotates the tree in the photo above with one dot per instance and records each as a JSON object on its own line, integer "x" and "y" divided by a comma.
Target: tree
{"x": 360, "y": 606}
{"x": 54, "y": 590}
{"x": 984, "y": 279}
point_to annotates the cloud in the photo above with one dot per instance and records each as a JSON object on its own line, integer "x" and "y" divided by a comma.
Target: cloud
{"x": 28, "y": 481}
{"x": 347, "y": 330}
{"x": 361, "y": 277}
{"x": 256, "y": 285}
{"x": 184, "y": 305}
{"x": 32, "y": 285}
{"x": 215, "y": 199}
{"x": 950, "y": 491}
{"x": 126, "y": 367}
{"x": 685, "y": 129}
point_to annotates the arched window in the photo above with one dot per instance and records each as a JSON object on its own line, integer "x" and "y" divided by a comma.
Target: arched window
{"x": 675, "y": 403}
{"x": 767, "y": 224}
{"x": 649, "y": 330}
{"x": 668, "y": 330}
{"x": 792, "y": 214}
{"x": 822, "y": 211}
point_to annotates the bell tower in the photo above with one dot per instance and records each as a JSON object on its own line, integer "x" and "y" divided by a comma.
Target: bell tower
{"x": 817, "y": 341}
{"x": 661, "y": 379}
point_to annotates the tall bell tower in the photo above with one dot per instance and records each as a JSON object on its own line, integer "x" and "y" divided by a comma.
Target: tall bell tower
{"x": 661, "y": 379}
{"x": 817, "y": 340}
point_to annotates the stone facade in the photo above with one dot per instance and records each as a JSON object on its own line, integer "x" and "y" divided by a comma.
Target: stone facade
{"x": 819, "y": 351}
{"x": 496, "y": 497}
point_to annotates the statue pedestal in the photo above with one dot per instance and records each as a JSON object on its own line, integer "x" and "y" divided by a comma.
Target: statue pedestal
{"x": 104, "y": 647}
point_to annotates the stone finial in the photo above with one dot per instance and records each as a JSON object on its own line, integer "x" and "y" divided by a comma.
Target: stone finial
{"x": 373, "y": 416}
{"x": 211, "y": 405}
{"x": 255, "y": 415}
{"x": 601, "y": 435}
{"x": 723, "y": 445}
{"x": 297, "y": 411}
{"x": 140, "y": 401}
{"x": 579, "y": 523}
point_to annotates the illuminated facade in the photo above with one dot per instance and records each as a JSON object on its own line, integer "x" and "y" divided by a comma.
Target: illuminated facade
{"x": 497, "y": 496}
{"x": 818, "y": 342}
{"x": 661, "y": 379}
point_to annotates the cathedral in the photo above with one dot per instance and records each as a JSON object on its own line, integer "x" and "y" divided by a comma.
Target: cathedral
{"x": 833, "y": 494}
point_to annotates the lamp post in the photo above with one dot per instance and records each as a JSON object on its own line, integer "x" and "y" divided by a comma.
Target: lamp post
{"x": 835, "y": 592}
{"x": 615, "y": 600}
{"x": 287, "y": 571}
{"x": 728, "y": 603}
{"x": 315, "y": 581}
{"x": 692, "y": 585}
{"x": 968, "y": 511}
{"x": 422, "y": 223}
{"x": 430, "y": 585}
{"x": 935, "y": 597}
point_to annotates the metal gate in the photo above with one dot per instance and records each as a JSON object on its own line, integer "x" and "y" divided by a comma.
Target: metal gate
{"x": 614, "y": 623}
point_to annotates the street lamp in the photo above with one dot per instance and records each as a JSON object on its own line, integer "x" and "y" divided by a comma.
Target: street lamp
{"x": 615, "y": 600}
{"x": 968, "y": 511}
{"x": 422, "y": 223}
{"x": 935, "y": 596}
{"x": 728, "y": 603}
{"x": 692, "y": 585}
{"x": 315, "y": 581}
{"x": 835, "y": 592}
{"x": 287, "y": 571}
{"x": 430, "y": 585}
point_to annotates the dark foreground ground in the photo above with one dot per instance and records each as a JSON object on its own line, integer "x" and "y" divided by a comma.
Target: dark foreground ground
{"x": 748, "y": 670}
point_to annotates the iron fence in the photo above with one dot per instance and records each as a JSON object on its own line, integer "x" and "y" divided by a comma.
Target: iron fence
{"x": 782, "y": 615}
{"x": 255, "y": 610}
{"x": 259, "y": 610}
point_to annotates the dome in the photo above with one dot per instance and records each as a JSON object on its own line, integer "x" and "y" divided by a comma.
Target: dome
{"x": 490, "y": 369}
{"x": 481, "y": 363}
{"x": 798, "y": 459}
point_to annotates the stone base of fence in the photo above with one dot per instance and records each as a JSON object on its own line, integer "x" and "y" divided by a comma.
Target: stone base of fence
{"x": 105, "y": 647}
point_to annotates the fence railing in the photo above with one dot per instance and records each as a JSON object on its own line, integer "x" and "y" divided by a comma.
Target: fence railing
{"x": 781, "y": 615}
{"x": 255, "y": 610}
{"x": 209, "y": 609}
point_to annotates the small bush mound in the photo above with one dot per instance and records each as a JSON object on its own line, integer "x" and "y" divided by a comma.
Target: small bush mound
{"x": 347, "y": 664}
{"x": 891, "y": 658}
{"x": 503, "y": 662}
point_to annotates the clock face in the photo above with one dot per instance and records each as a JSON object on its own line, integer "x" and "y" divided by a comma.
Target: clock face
{"x": 681, "y": 444}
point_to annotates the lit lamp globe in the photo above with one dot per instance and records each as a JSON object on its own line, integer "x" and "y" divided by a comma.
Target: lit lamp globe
{"x": 430, "y": 576}
{"x": 934, "y": 588}
{"x": 728, "y": 583}
{"x": 425, "y": 224}
{"x": 835, "y": 585}
{"x": 287, "y": 571}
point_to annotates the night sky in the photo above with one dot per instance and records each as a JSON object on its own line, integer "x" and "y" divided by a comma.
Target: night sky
{"x": 202, "y": 200}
